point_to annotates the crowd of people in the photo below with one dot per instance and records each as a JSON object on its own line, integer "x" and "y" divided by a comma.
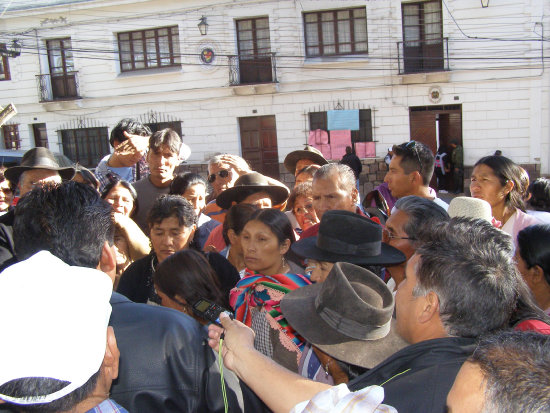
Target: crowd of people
{"x": 398, "y": 302}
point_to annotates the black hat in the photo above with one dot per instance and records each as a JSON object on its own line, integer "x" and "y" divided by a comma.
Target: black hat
{"x": 38, "y": 158}
{"x": 309, "y": 152}
{"x": 348, "y": 237}
{"x": 349, "y": 316}
{"x": 255, "y": 182}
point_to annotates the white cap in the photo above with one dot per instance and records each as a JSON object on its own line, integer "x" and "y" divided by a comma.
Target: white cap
{"x": 55, "y": 323}
{"x": 465, "y": 206}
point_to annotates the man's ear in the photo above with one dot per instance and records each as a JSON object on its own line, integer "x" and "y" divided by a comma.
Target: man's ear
{"x": 355, "y": 195}
{"x": 107, "y": 262}
{"x": 112, "y": 355}
{"x": 430, "y": 308}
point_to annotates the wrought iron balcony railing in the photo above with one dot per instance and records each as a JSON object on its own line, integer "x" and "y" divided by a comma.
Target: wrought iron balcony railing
{"x": 251, "y": 69}
{"x": 63, "y": 86}
{"x": 423, "y": 56}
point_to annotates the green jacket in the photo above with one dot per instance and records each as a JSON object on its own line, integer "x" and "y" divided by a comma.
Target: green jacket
{"x": 457, "y": 157}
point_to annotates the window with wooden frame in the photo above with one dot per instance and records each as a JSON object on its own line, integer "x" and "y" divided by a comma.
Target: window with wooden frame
{"x": 4, "y": 65}
{"x": 149, "y": 49}
{"x": 336, "y": 32}
{"x": 11, "y": 136}
{"x": 318, "y": 120}
{"x": 87, "y": 146}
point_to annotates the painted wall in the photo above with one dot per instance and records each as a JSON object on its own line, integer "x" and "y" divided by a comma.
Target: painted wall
{"x": 496, "y": 60}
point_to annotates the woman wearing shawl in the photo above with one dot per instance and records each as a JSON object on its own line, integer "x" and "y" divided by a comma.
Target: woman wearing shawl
{"x": 269, "y": 275}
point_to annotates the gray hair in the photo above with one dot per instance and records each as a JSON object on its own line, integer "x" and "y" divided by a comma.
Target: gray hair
{"x": 423, "y": 214}
{"x": 346, "y": 177}
{"x": 515, "y": 367}
{"x": 236, "y": 162}
{"x": 470, "y": 265}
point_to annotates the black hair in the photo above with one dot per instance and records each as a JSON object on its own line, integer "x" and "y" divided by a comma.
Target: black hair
{"x": 506, "y": 170}
{"x": 39, "y": 386}
{"x": 183, "y": 181}
{"x": 167, "y": 206}
{"x": 188, "y": 274}
{"x": 115, "y": 182}
{"x": 470, "y": 265}
{"x": 515, "y": 366}
{"x": 131, "y": 126}
{"x": 540, "y": 194}
{"x": 70, "y": 220}
{"x": 416, "y": 157}
{"x": 168, "y": 137}
{"x": 277, "y": 222}
{"x": 534, "y": 247}
{"x": 236, "y": 218}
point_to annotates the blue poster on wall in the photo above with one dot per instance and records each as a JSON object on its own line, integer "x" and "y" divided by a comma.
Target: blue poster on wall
{"x": 343, "y": 119}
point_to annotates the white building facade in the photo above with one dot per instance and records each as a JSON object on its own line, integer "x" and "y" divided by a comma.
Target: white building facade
{"x": 267, "y": 72}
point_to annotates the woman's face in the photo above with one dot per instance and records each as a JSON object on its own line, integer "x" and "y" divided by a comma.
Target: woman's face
{"x": 318, "y": 270}
{"x": 196, "y": 195}
{"x": 169, "y": 236}
{"x": 121, "y": 200}
{"x": 486, "y": 185}
{"x": 261, "y": 249}
{"x": 6, "y": 195}
{"x": 304, "y": 212}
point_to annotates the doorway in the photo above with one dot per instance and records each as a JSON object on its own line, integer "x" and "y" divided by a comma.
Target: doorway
{"x": 40, "y": 135}
{"x": 259, "y": 144}
{"x": 437, "y": 126}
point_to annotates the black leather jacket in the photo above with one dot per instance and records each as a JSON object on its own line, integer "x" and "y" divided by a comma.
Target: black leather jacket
{"x": 166, "y": 364}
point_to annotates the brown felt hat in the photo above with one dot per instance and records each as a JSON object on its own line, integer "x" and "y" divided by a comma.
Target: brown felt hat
{"x": 251, "y": 183}
{"x": 309, "y": 152}
{"x": 349, "y": 316}
{"x": 38, "y": 158}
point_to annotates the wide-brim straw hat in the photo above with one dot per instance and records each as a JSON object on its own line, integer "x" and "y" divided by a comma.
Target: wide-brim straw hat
{"x": 253, "y": 182}
{"x": 349, "y": 316}
{"x": 348, "y": 237}
{"x": 38, "y": 158}
{"x": 309, "y": 152}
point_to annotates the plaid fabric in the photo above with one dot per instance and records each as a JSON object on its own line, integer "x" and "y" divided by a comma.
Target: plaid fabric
{"x": 262, "y": 291}
{"x": 108, "y": 406}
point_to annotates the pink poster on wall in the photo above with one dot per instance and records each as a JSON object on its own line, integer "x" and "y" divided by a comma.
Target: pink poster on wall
{"x": 317, "y": 137}
{"x": 339, "y": 139}
{"x": 365, "y": 149}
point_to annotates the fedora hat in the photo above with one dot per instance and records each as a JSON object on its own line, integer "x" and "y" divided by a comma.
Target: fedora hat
{"x": 348, "y": 237}
{"x": 465, "y": 206}
{"x": 251, "y": 183}
{"x": 38, "y": 158}
{"x": 309, "y": 152}
{"x": 349, "y": 316}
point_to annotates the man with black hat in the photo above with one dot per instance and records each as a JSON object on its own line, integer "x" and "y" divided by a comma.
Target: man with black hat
{"x": 38, "y": 167}
{"x": 336, "y": 243}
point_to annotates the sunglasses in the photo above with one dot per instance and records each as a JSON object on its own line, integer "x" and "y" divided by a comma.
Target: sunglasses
{"x": 224, "y": 173}
{"x": 411, "y": 146}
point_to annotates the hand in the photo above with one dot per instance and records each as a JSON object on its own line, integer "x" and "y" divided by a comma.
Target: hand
{"x": 210, "y": 248}
{"x": 130, "y": 151}
{"x": 238, "y": 338}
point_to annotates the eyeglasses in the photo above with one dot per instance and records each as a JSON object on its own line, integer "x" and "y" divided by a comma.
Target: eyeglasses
{"x": 411, "y": 146}
{"x": 224, "y": 173}
{"x": 388, "y": 236}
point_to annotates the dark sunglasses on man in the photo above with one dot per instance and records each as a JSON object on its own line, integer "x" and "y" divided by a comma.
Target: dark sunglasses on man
{"x": 411, "y": 147}
{"x": 224, "y": 173}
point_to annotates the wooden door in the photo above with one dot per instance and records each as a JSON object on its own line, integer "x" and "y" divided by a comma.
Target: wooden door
{"x": 40, "y": 135}
{"x": 427, "y": 122}
{"x": 259, "y": 144}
